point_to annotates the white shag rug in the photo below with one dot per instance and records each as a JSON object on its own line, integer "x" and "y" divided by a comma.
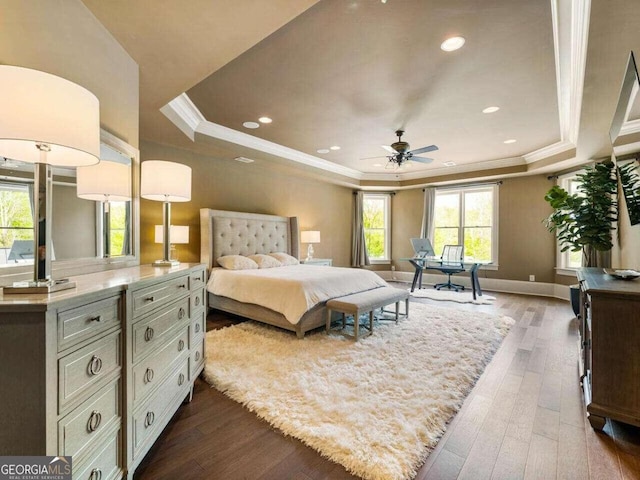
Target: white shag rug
{"x": 377, "y": 406}
{"x": 463, "y": 296}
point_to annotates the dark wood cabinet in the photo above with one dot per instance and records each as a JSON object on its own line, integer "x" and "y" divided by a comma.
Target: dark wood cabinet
{"x": 610, "y": 347}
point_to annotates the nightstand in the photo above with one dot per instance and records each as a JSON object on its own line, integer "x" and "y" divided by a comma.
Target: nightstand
{"x": 317, "y": 261}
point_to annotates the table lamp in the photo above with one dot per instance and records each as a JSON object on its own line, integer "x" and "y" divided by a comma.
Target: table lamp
{"x": 46, "y": 120}
{"x": 165, "y": 182}
{"x": 179, "y": 235}
{"x": 105, "y": 182}
{"x": 310, "y": 237}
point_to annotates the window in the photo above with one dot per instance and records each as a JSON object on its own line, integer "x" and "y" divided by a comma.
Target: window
{"x": 569, "y": 259}
{"x": 376, "y": 213}
{"x": 16, "y": 222}
{"x": 118, "y": 228}
{"x": 468, "y": 216}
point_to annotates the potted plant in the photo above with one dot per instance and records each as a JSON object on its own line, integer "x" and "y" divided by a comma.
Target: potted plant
{"x": 584, "y": 221}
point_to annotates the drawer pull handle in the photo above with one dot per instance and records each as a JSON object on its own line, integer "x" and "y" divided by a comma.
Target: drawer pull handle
{"x": 149, "y": 419}
{"x": 96, "y": 474}
{"x": 96, "y": 319}
{"x": 181, "y": 379}
{"x": 197, "y": 327}
{"x": 181, "y": 345}
{"x": 197, "y": 356}
{"x": 197, "y": 301}
{"x": 150, "y": 299}
{"x": 148, "y": 375}
{"x": 95, "y": 365}
{"x": 148, "y": 334}
{"x": 181, "y": 313}
{"x": 182, "y": 285}
{"x": 94, "y": 421}
{"x": 197, "y": 279}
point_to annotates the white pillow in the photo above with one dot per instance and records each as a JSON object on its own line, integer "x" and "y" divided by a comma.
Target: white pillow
{"x": 265, "y": 261}
{"x": 237, "y": 262}
{"x": 285, "y": 258}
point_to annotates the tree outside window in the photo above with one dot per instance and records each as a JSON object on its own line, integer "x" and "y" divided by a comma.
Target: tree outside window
{"x": 376, "y": 221}
{"x": 16, "y": 220}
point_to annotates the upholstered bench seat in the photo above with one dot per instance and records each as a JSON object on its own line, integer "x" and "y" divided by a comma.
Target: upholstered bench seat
{"x": 366, "y": 302}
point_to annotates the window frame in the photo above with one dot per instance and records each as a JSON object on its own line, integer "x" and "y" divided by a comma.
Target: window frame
{"x": 461, "y": 190}
{"x": 386, "y": 197}
{"x": 562, "y": 258}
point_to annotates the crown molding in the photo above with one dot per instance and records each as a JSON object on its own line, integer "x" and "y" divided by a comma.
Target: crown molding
{"x": 630, "y": 127}
{"x": 548, "y": 151}
{"x": 184, "y": 114}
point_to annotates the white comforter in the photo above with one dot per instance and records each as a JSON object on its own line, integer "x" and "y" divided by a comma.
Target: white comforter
{"x": 291, "y": 290}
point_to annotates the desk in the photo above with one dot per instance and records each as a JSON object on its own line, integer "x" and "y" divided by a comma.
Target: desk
{"x": 421, "y": 264}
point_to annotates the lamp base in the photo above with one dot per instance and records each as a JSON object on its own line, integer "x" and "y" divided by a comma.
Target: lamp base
{"x": 166, "y": 263}
{"x": 47, "y": 287}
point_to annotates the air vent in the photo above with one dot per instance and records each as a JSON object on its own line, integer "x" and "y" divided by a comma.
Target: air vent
{"x": 449, "y": 164}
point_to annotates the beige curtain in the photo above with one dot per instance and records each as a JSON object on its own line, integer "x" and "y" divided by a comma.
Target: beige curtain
{"x": 359, "y": 256}
{"x": 428, "y": 227}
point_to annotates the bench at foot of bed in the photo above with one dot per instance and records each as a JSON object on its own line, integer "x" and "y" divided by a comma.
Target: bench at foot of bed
{"x": 366, "y": 302}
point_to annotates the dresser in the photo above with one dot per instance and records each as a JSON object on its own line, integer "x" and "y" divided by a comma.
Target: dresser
{"x": 609, "y": 347}
{"x": 98, "y": 371}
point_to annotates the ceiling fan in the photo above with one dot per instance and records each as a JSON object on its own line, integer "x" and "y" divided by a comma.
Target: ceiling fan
{"x": 400, "y": 152}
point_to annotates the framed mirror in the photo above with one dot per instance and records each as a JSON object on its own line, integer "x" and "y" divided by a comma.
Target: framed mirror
{"x": 77, "y": 224}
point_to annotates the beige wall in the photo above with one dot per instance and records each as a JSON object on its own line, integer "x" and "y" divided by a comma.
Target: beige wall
{"x": 73, "y": 230}
{"x": 63, "y": 37}
{"x": 229, "y": 185}
{"x": 525, "y": 246}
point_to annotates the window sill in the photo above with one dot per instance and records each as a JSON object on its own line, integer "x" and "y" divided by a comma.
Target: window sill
{"x": 569, "y": 272}
{"x": 379, "y": 262}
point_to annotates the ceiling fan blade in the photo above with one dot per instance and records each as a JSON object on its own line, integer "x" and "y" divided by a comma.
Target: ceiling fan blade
{"x": 421, "y": 159}
{"x": 389, "y": 149}
{"x": 430, "y": 148}
{"x": 373, "y": 158}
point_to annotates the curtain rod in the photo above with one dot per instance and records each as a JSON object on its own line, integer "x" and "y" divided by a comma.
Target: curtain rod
{"x": 464, "y": 185}
{"x": 355, "y": 192}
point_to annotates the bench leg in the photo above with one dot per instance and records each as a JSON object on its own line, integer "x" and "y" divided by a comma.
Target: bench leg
{"x": 371, "y": 322}
{"x": 328, "y": 319}
{"x": 356, "y": 325}
{"x": 406, "y": 308}
{"x": 344, "y": 321}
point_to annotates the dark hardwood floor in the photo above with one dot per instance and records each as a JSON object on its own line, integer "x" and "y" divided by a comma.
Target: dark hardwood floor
{"x": 523, "y": 419}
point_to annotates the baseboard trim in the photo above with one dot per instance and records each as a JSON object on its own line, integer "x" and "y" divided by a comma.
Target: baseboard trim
{"x": 489, "y": 284}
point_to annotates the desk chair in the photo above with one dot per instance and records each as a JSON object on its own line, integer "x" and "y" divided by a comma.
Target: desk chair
{"x": 452, "y": 262}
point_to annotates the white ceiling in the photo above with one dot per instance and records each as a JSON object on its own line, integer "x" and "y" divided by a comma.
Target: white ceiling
{"x": 350, "y": 73}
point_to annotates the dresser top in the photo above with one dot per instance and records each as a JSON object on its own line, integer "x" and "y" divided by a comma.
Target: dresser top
{"x": 94, "y": 283}
{"x": 595, "y": 280}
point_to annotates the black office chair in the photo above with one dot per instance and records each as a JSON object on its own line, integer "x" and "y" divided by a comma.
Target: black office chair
{"x": 452, "y": 262}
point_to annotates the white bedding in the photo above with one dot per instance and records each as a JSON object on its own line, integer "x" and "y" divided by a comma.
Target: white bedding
{"x": 291, "y": 290}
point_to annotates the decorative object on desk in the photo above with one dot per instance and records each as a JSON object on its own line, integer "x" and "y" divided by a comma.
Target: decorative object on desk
{"x": 310, "y": 237}
{"x": 622, "y": 274}
{"x": 179, "y": 235}
{"x": 583, "y": 221}
{"x": 449, "y": 296}
{"x": 165, "y": 182}
{"x": 105, "y": 182}
{"x": 404, "y": 383}
{"x": 46, "y": 120}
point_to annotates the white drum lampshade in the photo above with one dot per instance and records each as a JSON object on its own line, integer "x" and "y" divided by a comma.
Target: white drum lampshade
{"x": 46, "y": 120}
{"x": 105, "y": 182}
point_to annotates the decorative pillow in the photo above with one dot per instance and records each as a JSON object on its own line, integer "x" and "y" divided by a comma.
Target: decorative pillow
{"x": 285, "y": 258}
{"x": 237, "y": 262}
{"x": 265, "y": 261}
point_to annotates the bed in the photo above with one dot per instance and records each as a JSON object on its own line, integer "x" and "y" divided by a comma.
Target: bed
{"x": 238, "y": 233}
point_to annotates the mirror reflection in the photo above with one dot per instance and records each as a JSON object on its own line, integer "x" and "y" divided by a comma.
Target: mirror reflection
{"x": 78, "y": 224}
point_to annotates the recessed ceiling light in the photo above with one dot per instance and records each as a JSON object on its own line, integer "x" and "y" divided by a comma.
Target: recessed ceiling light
{"x": 265, "y": 120}
{"x": 511, "y": 140}
{"x": 244, "y": 160}
{"x": 490, "y": 109}
{"x": 335, "y": 147}
{"x": 323, "y": 150}
{"x": 451, "y": 44}
{"x": 449, "y": 164}
{"x": 250, "y": 125}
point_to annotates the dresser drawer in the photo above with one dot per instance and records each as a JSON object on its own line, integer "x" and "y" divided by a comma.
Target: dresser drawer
{"x": 198, "y": 325}
{"x": 103, "y": 463}
{"x": 197, "y": 301}
{"x": 151, "y": 417}
{"x": 78, "y": 431}
{"x": 147, "y": 299}
{"x": 151, "y": 371}
{"x": 197, "y": 358}
{"x": 197, "y": 280}
{"x": 87, "y": 368}
{"x": 83, "y": 322}
{"x": 150, "y": 332}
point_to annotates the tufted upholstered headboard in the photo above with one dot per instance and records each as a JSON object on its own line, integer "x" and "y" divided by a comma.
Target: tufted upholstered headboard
{"x": 239, "y": 233}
